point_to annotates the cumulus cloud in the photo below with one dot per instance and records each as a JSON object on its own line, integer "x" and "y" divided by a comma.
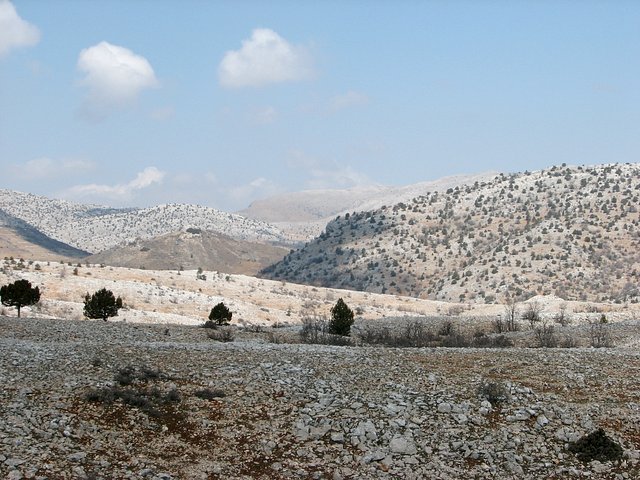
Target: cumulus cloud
{"x": 348, "y": 100}
{"x": 265, "y": 58}
{"x": 114, "y": 76}
{"x": 14, "y": 31}
{"x": 123, "y": 191}
{"x": 326, "y": 174}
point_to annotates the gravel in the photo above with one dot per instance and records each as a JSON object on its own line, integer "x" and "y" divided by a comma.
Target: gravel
{"x": 291, "y": 411}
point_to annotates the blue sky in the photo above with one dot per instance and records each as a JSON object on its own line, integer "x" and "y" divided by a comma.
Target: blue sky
{"x": 219, "y": 103}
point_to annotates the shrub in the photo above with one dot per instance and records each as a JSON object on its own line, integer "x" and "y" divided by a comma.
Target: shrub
{"x": 208, "y": 394}
{"x": 596, "y": 446}
{"x": 545, "y": 334}
{"x": 225, "y": 334}
{"x": 498, "y": 341}
{"x": 495, "y": 393}
{"x": 315, "y": 330}
{"x": 599, "y": 335}
{"x": 532, "y": 314}
{"x": 341, "y": 319}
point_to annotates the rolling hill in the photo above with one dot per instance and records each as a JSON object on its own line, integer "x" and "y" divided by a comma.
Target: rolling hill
{"x": 191, "y": 250}
{"x": 569, "y": 231}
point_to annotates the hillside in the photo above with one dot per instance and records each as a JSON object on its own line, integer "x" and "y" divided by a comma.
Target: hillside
{"x": 21, "y": 240}
{"x": 569, "y": 231}
{"x": 95, "y": 229}
{"x": 191, "y": 250}
{"x": 304, "y": 214}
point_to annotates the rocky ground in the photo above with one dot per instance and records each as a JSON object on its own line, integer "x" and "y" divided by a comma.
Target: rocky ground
{"x": 88, "y": 399}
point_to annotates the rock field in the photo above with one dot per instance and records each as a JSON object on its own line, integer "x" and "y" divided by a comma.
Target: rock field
{"x": 94, "y": 400}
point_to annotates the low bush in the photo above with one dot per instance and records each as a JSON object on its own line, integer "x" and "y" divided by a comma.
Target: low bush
{"x": 596, "y": 446}
{"x": 208, "y": 394}
{"x": 222, "y": 334}
{"x": 493, "y": 341}
{"x": 315, "y": 330}
{"x": 495, "y": 393}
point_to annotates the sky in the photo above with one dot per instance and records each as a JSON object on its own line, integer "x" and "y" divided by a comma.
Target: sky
{"x": 220, "y": 103}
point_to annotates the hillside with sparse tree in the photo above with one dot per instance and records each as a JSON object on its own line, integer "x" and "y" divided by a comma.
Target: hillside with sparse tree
{"x": 569, "y": 231}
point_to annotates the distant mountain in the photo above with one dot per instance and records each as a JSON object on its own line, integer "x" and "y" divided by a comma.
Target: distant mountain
{"x": 191, "y": 250}
{"x": 21, "y": 240}
{"x": 95, "y": 229}
{"x": 305, "y": 214}
{"x": 569, "y": 231}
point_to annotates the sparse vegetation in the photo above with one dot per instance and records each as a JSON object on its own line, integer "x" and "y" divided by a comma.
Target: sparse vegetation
{"x": 132, "y": 390}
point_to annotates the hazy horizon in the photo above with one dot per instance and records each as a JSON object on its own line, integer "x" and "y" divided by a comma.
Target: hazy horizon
{"x": 222, "y": 103}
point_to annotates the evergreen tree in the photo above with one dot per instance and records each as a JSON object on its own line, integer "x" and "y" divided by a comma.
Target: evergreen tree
{"x": 219, "y": 315}
{"x": 102, "y": 304}
{"x": 341, "y": 319}
{"x": 19, "y": 294}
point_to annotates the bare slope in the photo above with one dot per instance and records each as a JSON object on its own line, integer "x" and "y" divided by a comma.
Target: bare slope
{"x": 569, "y": 231}
{"x": 192, "y": 250}
{"x": 21, "y": 240}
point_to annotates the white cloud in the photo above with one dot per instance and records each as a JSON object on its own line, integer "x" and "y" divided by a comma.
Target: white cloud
{"x": 264, "y": 59}
{"x": 14, "y": 31}
{"x": 124, "y": 191}
{"x": 47, "y": 168}
{"x": 114, "y": 76}
{"x": 347, "y": 100}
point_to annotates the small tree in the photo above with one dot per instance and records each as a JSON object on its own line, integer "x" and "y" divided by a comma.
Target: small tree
{"x": 19, "y": 294}
{"x": 102, "y": 304}
{"x": 532, "y": 314}
{"x": 341, "y": 319}
{"x": 219, "y": 315}
{"x": 599, "y": 332}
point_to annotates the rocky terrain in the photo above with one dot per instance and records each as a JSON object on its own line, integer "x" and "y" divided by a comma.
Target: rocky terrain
{"x": 569, "y": 231}
{"x": 89, "y": 399}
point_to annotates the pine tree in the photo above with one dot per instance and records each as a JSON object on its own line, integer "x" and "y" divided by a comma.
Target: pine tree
{"x": 219, "y": 315}
{"x": 341, "y": 319}
{"x": 102, "y": 304}
{"x": 19, "y": 294}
